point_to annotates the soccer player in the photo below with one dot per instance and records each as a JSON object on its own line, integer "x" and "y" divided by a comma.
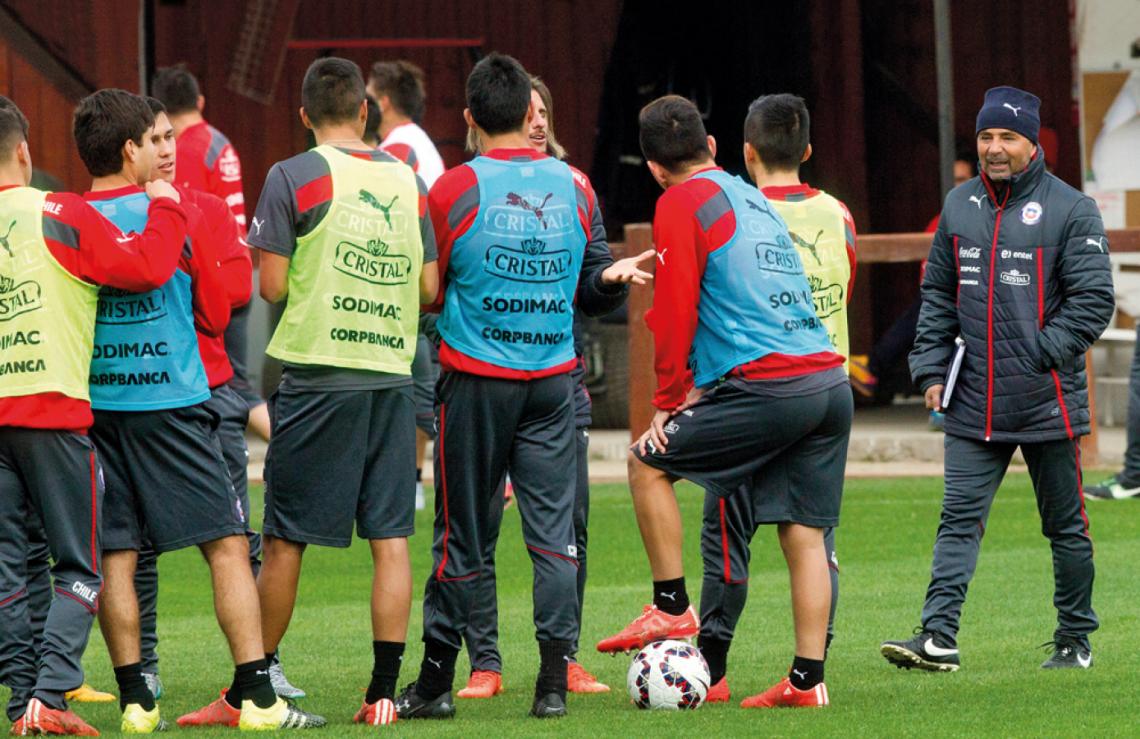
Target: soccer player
{"x": 483, "y": 628}
{"x": 398, "y": 88}
{"x": 347, "y": 240}
{"x": 56, "y": 251}
{"x": 776, "y": 142}
{"x": 516, "y": 246}
{"x": 166, "y": 479}
{"x": 208, "y": 162}
{"x": 748, "y": 385}
{"x": 1018, "y": 271}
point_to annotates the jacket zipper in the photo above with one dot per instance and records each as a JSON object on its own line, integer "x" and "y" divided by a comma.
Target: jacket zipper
{"x": 990, "y": 318}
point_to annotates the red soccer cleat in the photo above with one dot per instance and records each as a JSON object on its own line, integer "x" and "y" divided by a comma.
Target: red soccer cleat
{"x": 579, "y": 680}
{"x": 380, "y": 713}
{"x": 652, "y": 625}
{"x": 218, "y": 713}
{"x": 785, "y": 695}
{"x": 718, "y": 692}
{"x": 482, "y": 684}
{"x": 40, "y": 719}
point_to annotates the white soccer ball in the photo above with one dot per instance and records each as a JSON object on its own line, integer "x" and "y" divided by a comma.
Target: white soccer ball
{"x": 668, "y": 675}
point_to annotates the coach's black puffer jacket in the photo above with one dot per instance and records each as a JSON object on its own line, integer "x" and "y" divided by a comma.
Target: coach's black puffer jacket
{"x": 1023, "y": 276}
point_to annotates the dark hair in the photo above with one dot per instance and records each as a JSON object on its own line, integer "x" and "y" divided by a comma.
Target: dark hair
{"x": 332, "y": 91}
{"x": 498, "y": 93}
{"x": 103, "y": 123}
{"x": 372, "y": 124}
{"x": 778, "y": 127}
{"x": 403, "y": 83}
{"x": 176, "y": 88}
{"x": 672, "y": 133}
{"x": 156, "y": 106}
{"x": 13, "y": 126}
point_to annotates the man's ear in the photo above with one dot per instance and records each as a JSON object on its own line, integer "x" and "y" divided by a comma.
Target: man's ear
{"x": 201, "y": 103}
{"x": 712, "y": 147}
{"x": 807, "y": 154}
{"x": 130, "y": 151}
{"x": 660, "y": 174}
{"x": 468, "y": 119}
{"x": 305, "y": 118}
{"x": 750, "y": 157}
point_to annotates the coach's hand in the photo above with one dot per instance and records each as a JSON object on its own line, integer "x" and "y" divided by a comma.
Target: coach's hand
{"x": 934, "y": 397}
{"x": 156, "y": 189}
{"x": 627, "y": 270}
{"x": 655, "y": 433}
{"x": 691, "y": 399}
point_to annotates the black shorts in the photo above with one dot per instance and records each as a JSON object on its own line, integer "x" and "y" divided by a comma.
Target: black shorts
{"x": 166, "y": 479}
{"x": 339, "y": 457}
{"x": 794, "y": 449}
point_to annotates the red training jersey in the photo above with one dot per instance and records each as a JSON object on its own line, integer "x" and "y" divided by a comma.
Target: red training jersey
{"x": 207, "y": 161}
{"x": 93, "y": 249}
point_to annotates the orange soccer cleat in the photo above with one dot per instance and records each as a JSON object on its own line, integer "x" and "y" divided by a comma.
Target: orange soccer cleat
{"x": 579, "y": 680}
{"x": 718, "y": 692}
{"x": 218, "y": 713}
{"x": 380, "y": 713}
{"x": 785, "y": 695}
{"x": 652, "y": 625}
{"x": 40, "y": 719}
{"x": 482, "y": 684}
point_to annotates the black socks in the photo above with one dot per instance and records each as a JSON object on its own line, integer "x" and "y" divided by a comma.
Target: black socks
{"x": 437, "y": 671}
{"x": 670, "y": 596}
{"x": 132, "y": 687}
{"x": 715, "y": 652}
{"x": 806, "y": 673}
{"x": 251, "y": 682}
{"x": 387, "y": 656}
{"x": 553, "y": 656}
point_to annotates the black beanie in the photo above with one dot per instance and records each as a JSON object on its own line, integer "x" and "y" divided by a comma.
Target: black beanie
{"x": 1009, "y": 107}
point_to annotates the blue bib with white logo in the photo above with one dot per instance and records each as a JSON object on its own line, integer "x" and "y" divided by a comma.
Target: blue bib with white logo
{"x": 754, "y": 299}
{"x": 146, "y": 349}
{"x": 512, "y": 276}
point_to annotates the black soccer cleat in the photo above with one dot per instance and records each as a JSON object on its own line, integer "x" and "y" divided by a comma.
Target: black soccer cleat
{"x": 1067, "y": 654}
{"x": 551, "y": 705}
{"x": 409, "y": 704}
{"x": 925, "y": 650}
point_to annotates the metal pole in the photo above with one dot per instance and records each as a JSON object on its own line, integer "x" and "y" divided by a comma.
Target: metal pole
{"x": 945, "y": 71}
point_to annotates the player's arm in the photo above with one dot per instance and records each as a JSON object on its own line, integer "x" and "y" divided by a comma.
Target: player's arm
{"x": 236, "y": 266}
{"x": 849, "y": 237}
{"x": 938, "y": 315}
{"x": 453, "y": 204}
{"x": 429, "y": 274}
{"x": 210, "y": 302}
{"x": 95, "y": 250}
{"x": 274, "y": 233}
{"x": 673, "y": 317}
{"x": 1085, "y": 276}
{"x": 603, "y": 284}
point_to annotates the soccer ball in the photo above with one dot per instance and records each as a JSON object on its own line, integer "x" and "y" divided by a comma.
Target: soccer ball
{"x": 669, "y": 675}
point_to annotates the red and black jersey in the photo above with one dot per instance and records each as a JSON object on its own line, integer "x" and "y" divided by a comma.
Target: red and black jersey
{"x": 207, "y": 161}
{"x": 684, "y": 239}
{"x": 93, "y": 249}
{"x": 454, "y": 205}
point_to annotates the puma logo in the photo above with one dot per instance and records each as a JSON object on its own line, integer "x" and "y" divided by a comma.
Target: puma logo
{"x": 1011, "y": 107}
{"x": 370, "y": 199}
{"x": 661, "y": 255}
{"x": 520, "y": 201}
{"x": 4, "y": 239}
{"x": 976, "y": 199}
{"x": 802, "y": 243}
{"x": 437, "y": 664}
{"x": 1099, "y": 243}
{"x": 801, "y": 675}
{"x": 671, "y": 596}
{"x": 257, "y": 224}
{"x": 754, "y": 206}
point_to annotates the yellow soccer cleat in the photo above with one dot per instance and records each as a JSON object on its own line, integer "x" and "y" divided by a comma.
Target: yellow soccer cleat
{"x": 87, "y": 694}
{"x": 136, "y": 720}
{"x": 280, "y": 715}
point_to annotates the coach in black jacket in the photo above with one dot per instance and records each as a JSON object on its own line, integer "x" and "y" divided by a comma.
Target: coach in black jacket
{"x": 1019, "y": 269}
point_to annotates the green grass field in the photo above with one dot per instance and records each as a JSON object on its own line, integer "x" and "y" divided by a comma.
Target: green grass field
{"x": 884, "y": 548}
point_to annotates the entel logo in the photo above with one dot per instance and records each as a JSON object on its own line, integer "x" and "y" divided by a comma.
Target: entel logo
{"x": 1006, "y": 254}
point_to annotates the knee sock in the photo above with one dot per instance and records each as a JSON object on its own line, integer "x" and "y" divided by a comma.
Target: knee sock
{"x": 552, "y": 668}
{"x": 715, "y": 652}
{"x": 806, "y": 673}
{"x": 387, "y": 656}
{"x": 251, "y": 682}
{"x": 132, "y": 687}
{"x": 437, "y": 671}
{"x": 670, "y": 596}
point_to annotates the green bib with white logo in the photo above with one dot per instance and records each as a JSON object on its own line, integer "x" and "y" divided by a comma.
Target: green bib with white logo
{"x": 47, "y": 316}
{"x": 354, "y": 295}
{"x": 819, "y": 231}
